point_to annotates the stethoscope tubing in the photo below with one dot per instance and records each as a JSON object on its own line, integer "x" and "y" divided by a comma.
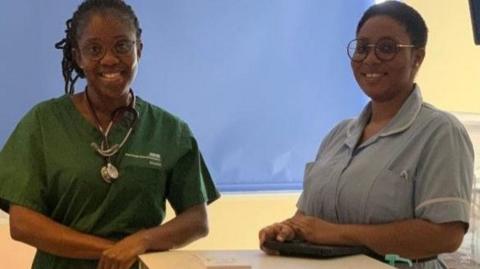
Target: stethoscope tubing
{"x": 104, "y": 149}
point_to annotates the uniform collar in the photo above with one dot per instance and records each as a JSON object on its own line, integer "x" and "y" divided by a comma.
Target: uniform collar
{"x": 399, "y": 123}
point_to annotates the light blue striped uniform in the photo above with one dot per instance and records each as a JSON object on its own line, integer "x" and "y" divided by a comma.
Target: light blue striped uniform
{"x": 419, "y": 166}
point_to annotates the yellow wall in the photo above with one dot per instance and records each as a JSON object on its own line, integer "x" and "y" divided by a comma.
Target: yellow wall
{"x": 449, "y": 79}
{"x": 450, "y": 75}
{"x": 236, "y": 219}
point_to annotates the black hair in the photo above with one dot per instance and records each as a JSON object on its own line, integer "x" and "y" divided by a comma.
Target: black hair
{"x": 75, "y": 26}
{"x": 403, "y": 14}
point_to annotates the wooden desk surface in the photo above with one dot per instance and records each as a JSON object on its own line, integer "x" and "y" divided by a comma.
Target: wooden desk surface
{"x": 255, "y": 258}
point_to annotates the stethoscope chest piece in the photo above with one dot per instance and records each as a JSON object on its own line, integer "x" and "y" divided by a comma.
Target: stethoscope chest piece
{"x": 109, "y": 173}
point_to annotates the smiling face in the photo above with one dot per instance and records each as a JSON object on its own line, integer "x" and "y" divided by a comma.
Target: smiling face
{"x": 108, "y": 51}
{"x": 384, "y": 81}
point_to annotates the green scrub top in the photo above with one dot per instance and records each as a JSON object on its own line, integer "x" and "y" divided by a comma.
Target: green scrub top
{"x": 49, "y": 165}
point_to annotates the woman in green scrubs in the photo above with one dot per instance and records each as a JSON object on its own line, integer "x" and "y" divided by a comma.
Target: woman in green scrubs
{"x": 86, "y": 176}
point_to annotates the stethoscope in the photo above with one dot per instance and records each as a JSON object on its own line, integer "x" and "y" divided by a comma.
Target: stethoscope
{"x": 129, "y": 115}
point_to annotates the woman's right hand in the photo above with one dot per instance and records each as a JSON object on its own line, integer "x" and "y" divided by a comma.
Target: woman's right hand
{"x": 278, "y": 231}
{"x": 125, "y": 252}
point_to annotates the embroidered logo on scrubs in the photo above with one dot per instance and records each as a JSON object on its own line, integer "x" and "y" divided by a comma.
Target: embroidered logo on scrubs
{"x": 153, "y": 158}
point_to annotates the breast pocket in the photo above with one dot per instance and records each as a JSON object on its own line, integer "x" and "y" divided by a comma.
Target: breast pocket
{"x": 390, "y": 197}
{"x": 145, "y": 174}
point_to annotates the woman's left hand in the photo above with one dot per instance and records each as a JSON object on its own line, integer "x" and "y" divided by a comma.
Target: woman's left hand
{"x": 315, "y": 230}
{"x": 125, "y": 252}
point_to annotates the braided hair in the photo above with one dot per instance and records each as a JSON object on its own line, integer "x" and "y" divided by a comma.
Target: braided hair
{"x": 70, "y": 69}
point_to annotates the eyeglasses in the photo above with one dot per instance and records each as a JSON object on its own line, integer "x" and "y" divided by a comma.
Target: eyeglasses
{"x": 385, "y": 49}
{"x": 95, "y": 51}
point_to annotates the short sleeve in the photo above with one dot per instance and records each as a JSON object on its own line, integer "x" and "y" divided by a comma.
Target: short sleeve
{"x": 332, "y": 138}
{"x": 445, "y": 176}
{"x": 22, "y": 169}
{"x": 190, "y": 183}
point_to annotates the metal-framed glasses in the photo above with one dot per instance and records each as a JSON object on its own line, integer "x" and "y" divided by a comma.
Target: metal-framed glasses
{"x": 385, "y": 49}
{"x": 96, "y": 51}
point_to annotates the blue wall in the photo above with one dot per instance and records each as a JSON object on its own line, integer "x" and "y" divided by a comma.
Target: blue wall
{"x": 259, "y": 81}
